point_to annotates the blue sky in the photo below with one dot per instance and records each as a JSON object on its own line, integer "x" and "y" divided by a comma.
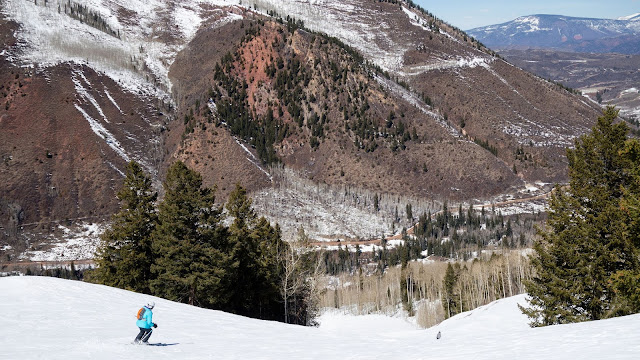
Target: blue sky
{"x": 468, "y": 14}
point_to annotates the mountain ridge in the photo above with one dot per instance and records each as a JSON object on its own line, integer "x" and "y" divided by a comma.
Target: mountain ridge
{"x": 563, "y": 33}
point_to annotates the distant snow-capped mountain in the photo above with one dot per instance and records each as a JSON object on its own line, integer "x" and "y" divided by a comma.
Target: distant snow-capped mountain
{"x": 564, "y": 33}
{"x": 634, "y": 17}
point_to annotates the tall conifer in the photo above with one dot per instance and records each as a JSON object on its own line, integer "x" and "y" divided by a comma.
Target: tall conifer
{"x": 585, "y": 241}
{"x": 626, "y": 283}
{"x": 254, "y": 249}
{"x": 244, "y": 252}
{"x": 190, "y": 242}
{"x": 124, "y": 258}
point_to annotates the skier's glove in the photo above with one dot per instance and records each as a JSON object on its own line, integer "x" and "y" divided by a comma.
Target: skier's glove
{"x": 155, "y": 325}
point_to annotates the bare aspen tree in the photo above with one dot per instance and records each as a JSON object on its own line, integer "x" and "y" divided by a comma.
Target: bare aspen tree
{"x": 478, "y": 283}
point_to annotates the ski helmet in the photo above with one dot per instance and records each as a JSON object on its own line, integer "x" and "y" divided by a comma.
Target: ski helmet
{"x": 150, "y": 305}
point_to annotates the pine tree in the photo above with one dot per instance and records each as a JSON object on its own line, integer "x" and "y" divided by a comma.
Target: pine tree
{"x": 586, "y": 240}
{"x": 270, "y": 245}
{"x": 124, "y": 258}
{"x": 449, "y": 296}
{"x": 254, "y": 251}
{"x": 626, "y": 283}
{"x": 190, "y": 243}
{"x": 244, "y": 252}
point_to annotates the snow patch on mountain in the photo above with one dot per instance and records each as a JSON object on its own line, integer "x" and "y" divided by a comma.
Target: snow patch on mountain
{"x": 95, "y": 125}
{"x": 328, "y": 213}
{"x": 445, "y": 64}
{"x": 76, "y": 243}
{"x": 49, "y": 38}
{"x": 414, "y": 19}
{"x": 346, "y": 20}
{"x": 84, "y": 94}
{"x": 634, "y": 17}
{"x": 102, "y": 132}
{"x": 106, "y": 92}
{"x": 529, "y": 24}
{"x": 253, "y": 159}
{"x": 562, "y": 32}
{"x": 150, "y": 35}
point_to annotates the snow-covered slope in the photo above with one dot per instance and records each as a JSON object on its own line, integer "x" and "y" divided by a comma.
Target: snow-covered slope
{"x": 47, "y": 318}
{"x": 151, "y": 33}
{"x": 634, "y": 17}
{"x": 149, "y": 36}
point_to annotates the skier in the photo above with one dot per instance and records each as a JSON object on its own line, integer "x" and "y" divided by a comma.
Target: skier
{"x": 145, "y": 323}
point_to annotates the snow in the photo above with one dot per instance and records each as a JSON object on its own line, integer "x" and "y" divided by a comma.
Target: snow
{"x": 49, "y": 37}
{"x": 592, "y": 27}
{"x": 529, "y": 207}
{"x": 348, "y": 21}
{"x": 530, "y": 24}
{"x": 84, "y": 94}
{"x": 49, "y": 318}
{"x": 106, "y": 92}
{"x": 634, "y": 17}
{"x": 330, "y": 212}
{"x": 188, "y": 20}
{"x": 78, "y": 244}
{"x": 415, "y": 19}
{"x": 102, "y": 132}
{"x": 365, "y": 248}
{"x": 445, "y": 64}
{"x": 252, "y": 159}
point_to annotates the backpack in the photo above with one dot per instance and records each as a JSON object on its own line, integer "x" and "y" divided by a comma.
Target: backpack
{"x": 141, "y": 313}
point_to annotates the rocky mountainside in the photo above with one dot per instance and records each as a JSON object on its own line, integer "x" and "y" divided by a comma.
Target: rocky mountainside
{"x": 363, "y": 99}
{"x": 611, "y": 79}
{"x": 564, "y": 33}
{"x": 66, "y": 134}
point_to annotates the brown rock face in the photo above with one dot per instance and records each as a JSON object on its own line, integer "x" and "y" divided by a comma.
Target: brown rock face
{"x": 66, "y": 133}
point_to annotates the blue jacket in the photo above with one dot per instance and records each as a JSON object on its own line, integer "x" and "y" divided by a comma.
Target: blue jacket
{"x": 146, "y": 322}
